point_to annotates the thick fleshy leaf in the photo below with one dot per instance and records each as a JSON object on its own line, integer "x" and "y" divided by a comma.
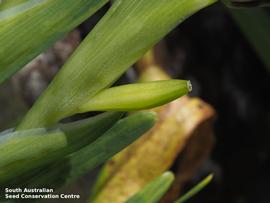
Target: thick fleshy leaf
{"x": 137, "y": 96}
{"x": 123, "y": 133}
{"x": 154, "y": 191}
{"x": 23, "y": 151}
{"x": 29, "y": 27}
{"x": 6, "y": 4}
{"x": 123, "y": 35}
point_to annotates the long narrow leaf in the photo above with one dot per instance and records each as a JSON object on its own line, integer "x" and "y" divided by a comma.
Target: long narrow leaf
{"x": 29, "y": 27}
{"x": 48, "y": 145}
{"x": 195, "y": 190}
{"x": 154, "y": 191}
{"x": 123, "y": 133}
{"x": 124, "y": 34}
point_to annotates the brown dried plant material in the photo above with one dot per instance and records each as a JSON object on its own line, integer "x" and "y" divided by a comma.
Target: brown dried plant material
{"x": 197, "y": 149}
{"x": 156, "y": 151}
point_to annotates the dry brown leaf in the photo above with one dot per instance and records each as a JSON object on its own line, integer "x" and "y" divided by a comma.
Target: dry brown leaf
{"x": 197, "y": 149}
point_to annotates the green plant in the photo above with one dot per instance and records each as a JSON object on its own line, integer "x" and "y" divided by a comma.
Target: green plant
{"x": 28, "y": 27}
{"x": 43, "y": 152}
{"x": 154, "y": 191}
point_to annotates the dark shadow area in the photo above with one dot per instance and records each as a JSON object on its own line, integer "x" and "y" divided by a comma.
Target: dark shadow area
{"x": 210, "y": 50}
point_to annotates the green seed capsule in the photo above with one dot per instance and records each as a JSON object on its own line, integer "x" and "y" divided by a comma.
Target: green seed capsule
{"x": 137, "y": 96}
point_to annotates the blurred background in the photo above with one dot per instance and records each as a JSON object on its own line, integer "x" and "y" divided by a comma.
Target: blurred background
{"x": 219, "y": 51}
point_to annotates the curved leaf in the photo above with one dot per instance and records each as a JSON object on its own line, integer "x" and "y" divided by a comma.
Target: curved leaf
{"x": 123, "y": 35}
{"x": 64, "y": 171}
{"x": 24, "y": 151}
{"x": 195, "y": 189}
{"x": 29, "y": 27}
{"x": 154, "y": 191}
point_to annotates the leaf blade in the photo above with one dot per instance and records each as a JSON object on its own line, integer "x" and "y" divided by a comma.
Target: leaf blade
{"x": 154, "y": 191}
{"x": 123, "y": 133}
{"x": 195, "y": 189}
{"x": 23, "y": 37}
{"x": 122, "y": 36}
{"x": 49, "y": 144}
{"x": 114, "y": 140}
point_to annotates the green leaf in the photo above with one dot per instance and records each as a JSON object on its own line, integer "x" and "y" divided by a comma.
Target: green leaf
{"x": 123, "y": 133}
{"x": 123, "y": 35}
{"x": 24, "y": 151}
{"x": 137, "y": 96}
{"x": 29, "y": 27}
{"x": 254, "y": 24}
{"x": 195, "y": 190}
{"x": 154, "y": 191}
{"x": 5, "y": 4}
